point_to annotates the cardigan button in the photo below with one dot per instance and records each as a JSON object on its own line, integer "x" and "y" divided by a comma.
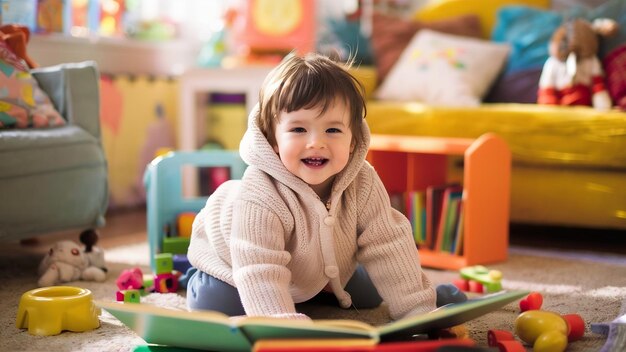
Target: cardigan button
{"x": 329, "y": 220}
{"x": 331, "y": 271}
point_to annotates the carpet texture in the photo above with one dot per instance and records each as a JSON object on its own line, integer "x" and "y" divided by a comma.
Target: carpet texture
{"x": 580, "y": 283}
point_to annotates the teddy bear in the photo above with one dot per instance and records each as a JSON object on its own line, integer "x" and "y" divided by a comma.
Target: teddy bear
{"x": 572, "y": 74}
{"x": 67, "y": 261}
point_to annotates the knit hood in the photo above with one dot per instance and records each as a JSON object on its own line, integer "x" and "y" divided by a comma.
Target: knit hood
{"x": 256, "y": 151}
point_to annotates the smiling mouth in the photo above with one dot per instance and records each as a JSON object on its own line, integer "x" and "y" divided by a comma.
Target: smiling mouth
{"x": 315, "y": 161}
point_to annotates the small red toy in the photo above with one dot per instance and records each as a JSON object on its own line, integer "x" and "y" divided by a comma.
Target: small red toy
{"x": 533, "y": 301}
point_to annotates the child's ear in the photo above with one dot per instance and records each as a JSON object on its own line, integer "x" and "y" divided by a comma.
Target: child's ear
{"x": 352, "y": 146}
{"x": 275, "y": 147}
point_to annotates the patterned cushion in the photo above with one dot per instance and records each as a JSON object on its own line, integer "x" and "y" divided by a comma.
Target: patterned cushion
{"x": 22, "y": 102}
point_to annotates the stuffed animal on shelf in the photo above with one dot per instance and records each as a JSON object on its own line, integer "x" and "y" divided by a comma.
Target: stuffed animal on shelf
{"x": 67, "y": 261}
{"x": 573, "y": 75}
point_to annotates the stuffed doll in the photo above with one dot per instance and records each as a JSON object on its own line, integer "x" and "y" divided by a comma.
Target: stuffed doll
{"x": 66, "y": 261}
{"x": 573, "y": 75}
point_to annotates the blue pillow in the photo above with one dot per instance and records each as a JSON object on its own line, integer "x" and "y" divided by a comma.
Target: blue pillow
{"x": 527, "y": 30}
{"x": 344, "y": 37}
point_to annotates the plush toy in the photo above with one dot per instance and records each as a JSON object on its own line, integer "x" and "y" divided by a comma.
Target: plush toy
{"x": 573, "y": 75}
{"x": 67, "y": 261}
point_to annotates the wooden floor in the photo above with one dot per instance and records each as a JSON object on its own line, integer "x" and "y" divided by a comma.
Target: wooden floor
{"x": 122, "y": 227}
{"x": 129, "y": 226}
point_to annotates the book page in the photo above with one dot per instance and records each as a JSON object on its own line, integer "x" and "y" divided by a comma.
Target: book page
{"x": 162, "y": 326}
{"x": 447, "y": 316}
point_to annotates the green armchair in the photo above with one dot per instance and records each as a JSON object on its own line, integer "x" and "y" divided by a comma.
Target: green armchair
{"x": 56, "y": 179}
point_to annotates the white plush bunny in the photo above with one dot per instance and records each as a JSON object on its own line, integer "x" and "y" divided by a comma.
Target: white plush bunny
{"x": 66, "y": 261}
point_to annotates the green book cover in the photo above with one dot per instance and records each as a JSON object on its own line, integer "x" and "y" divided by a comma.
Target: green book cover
{"x": 216, "y": 331}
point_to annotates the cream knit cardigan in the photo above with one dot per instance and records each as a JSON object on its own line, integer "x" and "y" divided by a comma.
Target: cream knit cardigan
{"x": 270, "y": 236}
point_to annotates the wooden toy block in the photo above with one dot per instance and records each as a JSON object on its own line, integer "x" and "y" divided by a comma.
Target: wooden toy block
{"x": 164, "y": 283}
{"x": 128, "y": 296}
{"x": 184, "y": 222}
{"x": 175, "y": 245}
{"x": 164, "y": 263}
{"x": 490, "y": 279}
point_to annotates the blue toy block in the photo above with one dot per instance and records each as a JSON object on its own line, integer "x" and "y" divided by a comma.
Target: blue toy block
{"x": 164, "y": 197}
{"x": 181, "y": 263}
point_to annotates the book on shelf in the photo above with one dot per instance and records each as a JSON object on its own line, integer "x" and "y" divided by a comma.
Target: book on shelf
{"x": 448, "y": 213}
{"x": 216, "y": 331}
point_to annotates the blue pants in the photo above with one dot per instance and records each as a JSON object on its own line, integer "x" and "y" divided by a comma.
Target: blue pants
{"x": 204, "y": 292}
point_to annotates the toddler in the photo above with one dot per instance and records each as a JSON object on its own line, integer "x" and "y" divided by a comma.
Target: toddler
{"x": 310, "y": 214}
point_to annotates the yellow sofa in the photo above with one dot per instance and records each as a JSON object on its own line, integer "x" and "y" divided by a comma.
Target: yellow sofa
{"x": 569, "y": 163}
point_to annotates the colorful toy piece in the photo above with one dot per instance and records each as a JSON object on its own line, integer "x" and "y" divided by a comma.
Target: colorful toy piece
{"x": 184, "y": 222}
{"x": 548, "y": 331}
{"x": 489, "y": 279}
{"x": 130, "y": 279}
{"x": 533, "y": 301}
{"x": 504, "y": 340}
{"x": 50, "y": 310}
{"x": 128, "y": 296}
{"x": 164, "y": 263}
{"x": 166, "y": 282}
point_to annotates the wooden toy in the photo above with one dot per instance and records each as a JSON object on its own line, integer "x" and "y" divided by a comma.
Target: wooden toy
{"x": 166, "y": 282}
{"x": 175, "y": 245}
{"x": 548, "y": 331}
{"x": 164, "y": 263}
{"x": 129, "y": 296}
{"x": 490, "y": 279}
{"x": 504, "y": 340}
{"x": 181, "y": 263}
{"x": 184, "y": 222}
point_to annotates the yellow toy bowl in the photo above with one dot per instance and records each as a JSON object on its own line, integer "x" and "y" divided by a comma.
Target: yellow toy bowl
{"x": 49, "y": 310}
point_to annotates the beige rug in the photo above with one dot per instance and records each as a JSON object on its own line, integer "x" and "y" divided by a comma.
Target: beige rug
{"x": 580, "y": 283}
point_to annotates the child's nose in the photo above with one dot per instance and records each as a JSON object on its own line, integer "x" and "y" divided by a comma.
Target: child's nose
{"x": 316, "y": 140}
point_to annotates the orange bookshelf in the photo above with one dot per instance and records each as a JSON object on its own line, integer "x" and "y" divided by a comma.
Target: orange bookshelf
{"x": 407, "y": 163}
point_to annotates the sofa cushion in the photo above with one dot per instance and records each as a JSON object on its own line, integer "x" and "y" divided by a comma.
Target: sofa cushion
{"x": 34, "y": 151}
{"x": 485, "y": 10}
{"x": 22, "y": 103}
{"x": 515, "y": 87}
{"x": 537, "y": 134}
{"x": 443, "y": 69}
{"x": 391, "y": 35}
{"x": 528, "y": 30}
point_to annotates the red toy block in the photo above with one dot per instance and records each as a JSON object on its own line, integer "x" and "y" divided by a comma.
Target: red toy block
{"x": 476, "y": 287}
{"x": 576, "y": 326}
{"x": 495, "y": 336}
{"x": 166, "y": 282}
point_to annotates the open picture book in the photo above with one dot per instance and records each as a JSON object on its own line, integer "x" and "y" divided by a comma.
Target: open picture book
{"x": 216, "y": 331}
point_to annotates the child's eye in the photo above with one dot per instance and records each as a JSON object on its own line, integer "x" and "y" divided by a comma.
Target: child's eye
{"x": 333, "y": 130}
{"x": 298, "y": 130}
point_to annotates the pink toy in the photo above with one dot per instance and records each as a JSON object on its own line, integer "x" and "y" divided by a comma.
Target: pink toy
{"x": 130, "y": 279}
{"x": 167, "y": 282}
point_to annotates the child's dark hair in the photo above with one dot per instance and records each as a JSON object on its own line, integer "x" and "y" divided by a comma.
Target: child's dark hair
{"x": 306, "y": 82}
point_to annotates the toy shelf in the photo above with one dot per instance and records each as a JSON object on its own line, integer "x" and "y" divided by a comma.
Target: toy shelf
{"x": 406, "y": 163}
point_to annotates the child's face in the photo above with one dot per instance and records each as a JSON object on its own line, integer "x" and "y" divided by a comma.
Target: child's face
{"x": 315, "y": 147}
